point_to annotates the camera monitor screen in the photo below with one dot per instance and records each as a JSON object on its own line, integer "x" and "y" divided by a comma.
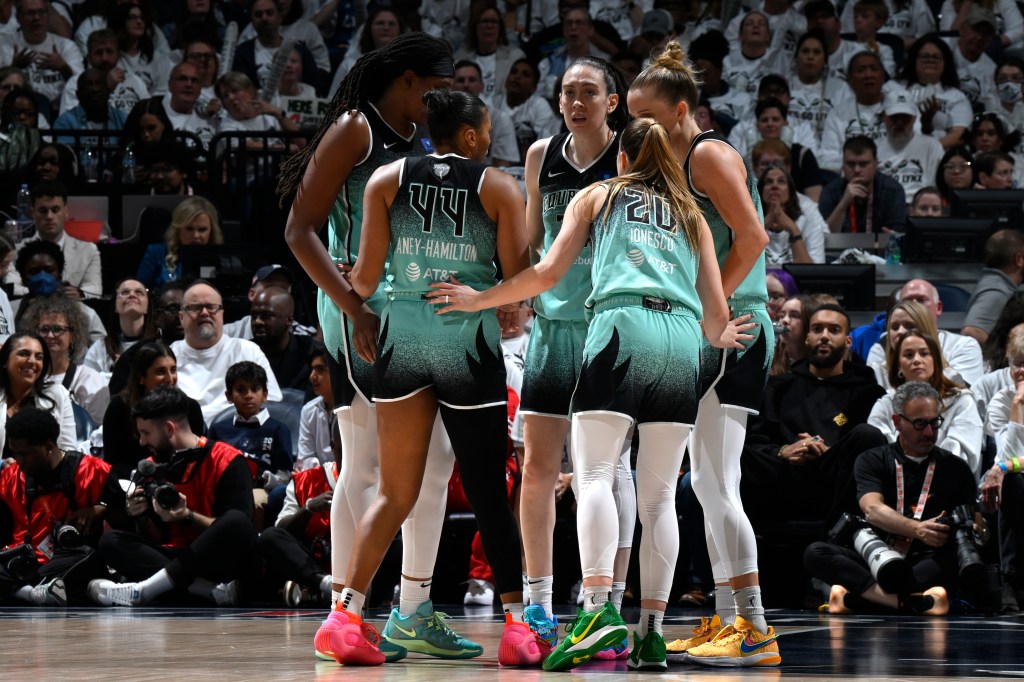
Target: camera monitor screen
{"x": 1005, "y": 206}
{"x": 853, "y": 285}
{"x": 946, "y": 240}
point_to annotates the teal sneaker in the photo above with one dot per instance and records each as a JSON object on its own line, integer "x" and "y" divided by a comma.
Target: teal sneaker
{"x": 546, "y": 628}
{"x": 588, "y": 634}
{"x": 425, "y": 632}
{"x": 648, "y": 653}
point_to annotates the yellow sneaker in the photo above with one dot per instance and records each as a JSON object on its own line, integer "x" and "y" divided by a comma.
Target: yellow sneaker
{"x": 738, "y": 645}
{"x": 705, "y": 632}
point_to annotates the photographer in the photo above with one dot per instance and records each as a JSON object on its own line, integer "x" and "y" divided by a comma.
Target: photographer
{"x": 297, "y": 549}
{"x": 911, "y": 493}
{"x": 56, "y": 503}
{"x": 202, "y": 540}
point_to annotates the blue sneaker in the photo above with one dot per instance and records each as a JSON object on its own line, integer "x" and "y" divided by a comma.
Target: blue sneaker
{"x": 546, "y": 628}
{"x": 426, "y": 632}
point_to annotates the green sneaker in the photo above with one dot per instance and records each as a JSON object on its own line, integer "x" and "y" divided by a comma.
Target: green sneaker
{"x": 648, "y": 653}
{"x": 426, "y": 632}
{"x": 588, "y": 634}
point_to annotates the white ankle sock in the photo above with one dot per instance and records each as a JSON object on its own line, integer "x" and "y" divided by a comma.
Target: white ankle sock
{"x": 725, "y": 605}
{"x": 335, "y": 596}
{"x": 413, "y": 592}
{"x": 595, "y": 596}
{"x": 351, "y": 601}
{"x": 515, "y": 608}
{"x": 650, "y": 620}
{"x": 153, "y": 586}
{"x": 618, "y": 590}
{"x": 748, "y": 605}
{"x": 540, "y": 592}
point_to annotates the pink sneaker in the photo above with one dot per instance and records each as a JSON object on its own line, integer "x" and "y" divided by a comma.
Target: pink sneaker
{"x": 616, "y": 652}
{"x": 348, "y": 640}
{"x": 520, "y": 646}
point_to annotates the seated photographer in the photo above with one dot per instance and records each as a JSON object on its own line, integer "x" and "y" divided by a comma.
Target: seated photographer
{"x": 917, "y": 357}
{"x": 799, "y": 453}
{"x": 297, "y": 549}
{"x": 55, "y": 503}
{"x": 192, "y": 505}
{"x": 917, "y": 497}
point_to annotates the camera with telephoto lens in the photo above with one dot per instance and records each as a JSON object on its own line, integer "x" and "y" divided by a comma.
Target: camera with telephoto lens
{"x": 891, "y": 570}
{"x": 961, "y": 524}
{"x": 20, "y": 561}
{"x": 66, "y": 536}
{"x": 150, "y": 478}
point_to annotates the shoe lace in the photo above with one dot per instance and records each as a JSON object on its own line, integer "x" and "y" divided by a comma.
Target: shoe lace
{"x": 541, "y": 626}
{"x": 704, "y": 627}
{"x": 437, "y": 622}
{"x": 726, "y": 636}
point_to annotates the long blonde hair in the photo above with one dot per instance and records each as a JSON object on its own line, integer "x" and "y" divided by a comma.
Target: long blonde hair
{"x": 653, "y": 166}
{"x": 923, "y": 323}
{"x": 187, "y": 211}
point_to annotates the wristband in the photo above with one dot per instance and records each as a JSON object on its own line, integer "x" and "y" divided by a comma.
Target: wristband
{"x": 1016, "y": 465}
{"x": 779, "y": 453}
{"x": 1002, "y": 467}
{"x": 795, "y": 238}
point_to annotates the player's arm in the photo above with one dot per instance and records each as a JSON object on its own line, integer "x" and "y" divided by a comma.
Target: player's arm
{"x": 534, "y": 201}
{"x": 344, "y": 145}
{"x": 573, "y": 236}
{"x": 376, "y": 233}
{"x": 721, "y": 175}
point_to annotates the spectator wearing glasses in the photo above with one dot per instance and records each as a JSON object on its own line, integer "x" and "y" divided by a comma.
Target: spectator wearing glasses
{"x": 183, "y": 90}
{"x": 63, "y": 328}
{"x": 487, "y": 47}
{"x": 206, "y": 352}
{"x": 1008, "y": 98}
{"x": 166, "y": 168}
{"x": 955, "y": 172}
{"x": 202, "y": 54}
{"x": 917, "y": 357}
{"x": 48, "y": 60}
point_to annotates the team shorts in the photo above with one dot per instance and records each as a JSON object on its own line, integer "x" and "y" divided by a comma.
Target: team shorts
{"x": 553, "y": 359}
{"x": 642, "y": 364}
{"x": 739, "y": 376}
{"x": 458, "y": 354}
{"x": 350, "y": 374}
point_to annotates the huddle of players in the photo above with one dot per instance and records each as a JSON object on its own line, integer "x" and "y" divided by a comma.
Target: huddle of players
{"x": 635, "y": 299}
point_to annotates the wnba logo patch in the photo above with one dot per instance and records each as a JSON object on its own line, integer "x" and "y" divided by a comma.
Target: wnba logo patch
{"x": 412, "y": 271}
{"x": 635, "y": 257}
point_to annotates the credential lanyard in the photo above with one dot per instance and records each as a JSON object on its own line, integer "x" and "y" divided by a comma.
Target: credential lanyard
{"x": 903, "y": 544}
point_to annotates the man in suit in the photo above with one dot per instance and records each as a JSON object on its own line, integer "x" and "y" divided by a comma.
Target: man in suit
{"x": 82, "y": 275}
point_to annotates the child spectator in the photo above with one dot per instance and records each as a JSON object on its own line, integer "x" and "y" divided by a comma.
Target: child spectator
{"x": 317, "y": 424}
{"x": 265, "y": 442}
{"x": 869, "y": 16}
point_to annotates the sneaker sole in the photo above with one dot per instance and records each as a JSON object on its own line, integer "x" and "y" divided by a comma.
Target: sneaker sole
{"x": 420, "y": 646}
{"x": 754, "y": 660}
{"x": 609, "y": 636}
{"x": 647, "y": 665}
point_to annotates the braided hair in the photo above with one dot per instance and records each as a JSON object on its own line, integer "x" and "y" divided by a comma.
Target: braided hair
{"x": 369, "y": 78}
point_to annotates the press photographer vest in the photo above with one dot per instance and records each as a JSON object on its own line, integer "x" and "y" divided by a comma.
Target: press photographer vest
{"x": 309, "y": 484}
{"x": 199, "y": 486}
{"x": 80, "y": 482}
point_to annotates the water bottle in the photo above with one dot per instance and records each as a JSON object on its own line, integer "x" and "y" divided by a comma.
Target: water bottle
{"x": 24, "y": 220}
{"x": 128, "y": 167}
{"x": 90, "y": 165}
{"x": 893, "y": 252}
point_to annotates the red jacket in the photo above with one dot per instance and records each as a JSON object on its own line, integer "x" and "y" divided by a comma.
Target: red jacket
{"x": 309, "y": 484}
{"x": 90, "y": 478}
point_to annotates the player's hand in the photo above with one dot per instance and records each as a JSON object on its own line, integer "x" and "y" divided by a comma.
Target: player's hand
{"x": 365, "y": 328}
{"x": 735, "y": 333}
{"x": 454, "y": 296}
{"x": 508, "y": 318}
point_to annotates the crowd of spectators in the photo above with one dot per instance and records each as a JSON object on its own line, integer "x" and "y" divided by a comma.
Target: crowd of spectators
{"x": 852, "y": 116}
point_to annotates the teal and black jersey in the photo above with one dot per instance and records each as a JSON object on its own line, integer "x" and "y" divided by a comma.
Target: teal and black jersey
{"x": 346, "y": 218}
{"x": 754, "y": 286}
{"x": 638, "y": 254}
{"x": 559, "y": 182}
{"x": 439, "y": 228}
{"x": 386, "y": 145}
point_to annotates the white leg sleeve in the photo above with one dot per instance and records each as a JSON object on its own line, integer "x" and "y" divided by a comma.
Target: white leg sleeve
{"x": 657, "y": 472}
{"x": 718, "y": 445}
{"x": 596, "y": 440}
{"x": 421, "y": 532}
{"x": 625, "y": 494}
{"x": 357, "y": 480}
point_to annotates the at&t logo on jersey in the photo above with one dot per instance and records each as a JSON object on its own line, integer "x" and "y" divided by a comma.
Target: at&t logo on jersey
{"x": 635, "y": 257}
{"x": 412, "y": 271}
